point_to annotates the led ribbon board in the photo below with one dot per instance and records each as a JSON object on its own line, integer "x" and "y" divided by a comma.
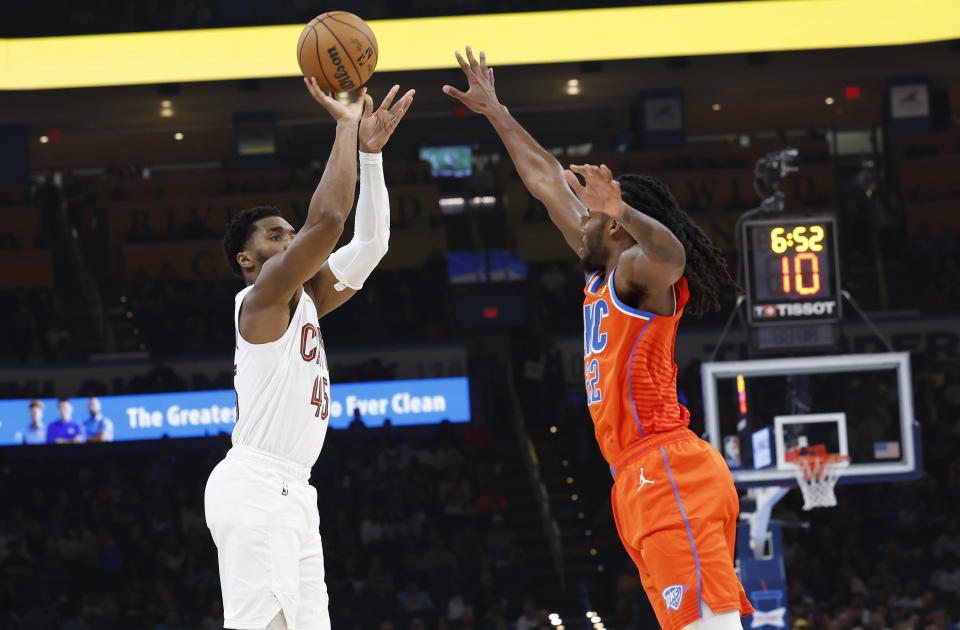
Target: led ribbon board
{"x": 196, "y": 414}
{"x": 513, "y": 38}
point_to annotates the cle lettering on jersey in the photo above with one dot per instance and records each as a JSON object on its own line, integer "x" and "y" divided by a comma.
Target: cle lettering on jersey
{"x": 311, "y": 338}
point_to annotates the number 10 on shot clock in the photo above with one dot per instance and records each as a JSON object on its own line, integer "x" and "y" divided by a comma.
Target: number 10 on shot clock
{"x": 792, "y": 271}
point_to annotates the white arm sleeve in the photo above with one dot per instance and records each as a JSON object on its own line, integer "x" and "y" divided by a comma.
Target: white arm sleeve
{"x": 354, "y": 262}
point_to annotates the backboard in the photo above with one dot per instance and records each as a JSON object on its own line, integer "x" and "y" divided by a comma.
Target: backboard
{"x": 761, "y": 413}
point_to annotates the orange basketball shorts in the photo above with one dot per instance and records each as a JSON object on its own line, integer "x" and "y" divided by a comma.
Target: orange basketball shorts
{"x": 676, "y": 510}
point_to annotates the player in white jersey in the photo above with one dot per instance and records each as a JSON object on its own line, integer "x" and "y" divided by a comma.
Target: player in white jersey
{"x": 260, "y": 507}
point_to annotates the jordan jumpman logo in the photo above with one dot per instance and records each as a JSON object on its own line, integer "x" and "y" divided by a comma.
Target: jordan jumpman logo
{"x": 643, "y": 481}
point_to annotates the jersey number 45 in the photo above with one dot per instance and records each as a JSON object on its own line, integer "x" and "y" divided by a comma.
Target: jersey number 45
{"x": 321, "y": 397}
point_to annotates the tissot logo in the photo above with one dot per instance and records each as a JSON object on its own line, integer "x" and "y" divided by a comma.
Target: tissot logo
{"x": 792, "y": 309}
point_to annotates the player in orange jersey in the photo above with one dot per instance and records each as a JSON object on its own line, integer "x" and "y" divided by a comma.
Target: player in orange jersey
{"x": 647, "y": 262}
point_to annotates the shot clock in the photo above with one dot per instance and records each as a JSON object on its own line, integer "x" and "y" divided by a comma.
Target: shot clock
{"x": 792, "y": 273}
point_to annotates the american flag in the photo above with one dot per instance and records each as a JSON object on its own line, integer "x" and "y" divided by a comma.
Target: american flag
{"x": 886, "y": 450}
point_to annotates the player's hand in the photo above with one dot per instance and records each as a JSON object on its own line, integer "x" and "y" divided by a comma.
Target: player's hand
{"x": 481, "y": 95}
{"x": 341, "y": 113}
{"x": 376, "y": 127}
{"x": 601, "y": 193}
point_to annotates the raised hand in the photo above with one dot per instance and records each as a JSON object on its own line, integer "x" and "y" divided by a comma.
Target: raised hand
{"x": 481, "y": 95}
{"x": 350, "y": 113}
{"x": 377, "y": 126}
{"x": 601, "y": 193}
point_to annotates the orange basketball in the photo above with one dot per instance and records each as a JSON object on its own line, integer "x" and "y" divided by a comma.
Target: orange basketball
{"x": 339, "y": 50}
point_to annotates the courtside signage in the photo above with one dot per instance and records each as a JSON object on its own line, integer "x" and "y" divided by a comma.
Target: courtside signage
{"x": 196, "y": 414}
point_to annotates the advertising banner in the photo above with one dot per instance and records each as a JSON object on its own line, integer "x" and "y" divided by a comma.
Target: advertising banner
{"x": 196, "y": 414}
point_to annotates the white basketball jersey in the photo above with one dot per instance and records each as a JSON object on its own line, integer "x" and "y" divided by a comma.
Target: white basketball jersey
{"x": 283, "y": 387}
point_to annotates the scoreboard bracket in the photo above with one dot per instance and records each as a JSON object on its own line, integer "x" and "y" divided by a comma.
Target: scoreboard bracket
{"x": 793, "y": 298}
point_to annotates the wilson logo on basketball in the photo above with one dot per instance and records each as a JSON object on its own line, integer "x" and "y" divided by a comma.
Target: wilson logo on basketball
{"x": 341, "y": 75}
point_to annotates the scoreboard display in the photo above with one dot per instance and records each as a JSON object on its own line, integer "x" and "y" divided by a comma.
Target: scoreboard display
{"x": 792, "y": 270}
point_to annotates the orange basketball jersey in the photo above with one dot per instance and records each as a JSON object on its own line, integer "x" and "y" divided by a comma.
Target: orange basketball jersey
{"x": 628, "y": 365}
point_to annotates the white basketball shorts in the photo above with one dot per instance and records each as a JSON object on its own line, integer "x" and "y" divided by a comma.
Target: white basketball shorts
{"x": 262, "y": 513}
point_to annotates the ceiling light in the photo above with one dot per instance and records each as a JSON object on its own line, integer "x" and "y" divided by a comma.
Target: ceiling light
{"x": 553, "y": 429}
{"x": 573, "y": 83}
{"x": 166, "y": 104}
{"x": 553, "y": 616}
{"x": 574, "y": 496}
{"x": 573, "y": 90}
{"x": 178, "y": 136}
{"x": 715, "y": 107}
{"x": 343, "y": 97}
{"x": 166, "y": 112}
{"x": 44, "y": 139}
{"x": 828, "y": 100}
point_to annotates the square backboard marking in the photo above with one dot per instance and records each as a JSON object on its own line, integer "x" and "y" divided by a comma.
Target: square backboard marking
{"x": 900, "y": 361}
{"x": 839, "y": 418}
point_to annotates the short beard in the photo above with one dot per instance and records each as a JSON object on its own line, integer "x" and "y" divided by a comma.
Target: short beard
{"x": 595, "y": 254}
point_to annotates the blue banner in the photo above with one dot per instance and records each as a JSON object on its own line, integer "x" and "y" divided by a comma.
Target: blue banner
{"x": 196, "y": 414}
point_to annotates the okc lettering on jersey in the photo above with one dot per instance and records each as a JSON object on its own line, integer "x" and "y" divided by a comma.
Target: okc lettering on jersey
{"x": 594, "y": 341}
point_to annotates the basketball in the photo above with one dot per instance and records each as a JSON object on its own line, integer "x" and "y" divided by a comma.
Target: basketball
{"x": 339, "y": 50}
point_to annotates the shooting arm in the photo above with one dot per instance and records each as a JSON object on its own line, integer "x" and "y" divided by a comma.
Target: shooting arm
{"x": 347, "y": 268}
{"x": 329, "y": 208}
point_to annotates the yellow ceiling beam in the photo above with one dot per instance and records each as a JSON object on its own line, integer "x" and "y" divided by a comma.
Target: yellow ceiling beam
{"x": 510, "y": 38}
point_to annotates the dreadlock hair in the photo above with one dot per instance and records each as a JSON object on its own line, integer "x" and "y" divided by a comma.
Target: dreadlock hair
{"x": 706, "y": 269}
{"x": 239, "y": 230}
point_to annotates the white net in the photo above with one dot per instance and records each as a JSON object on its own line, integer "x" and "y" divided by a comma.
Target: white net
{"x": 817, "y": 476}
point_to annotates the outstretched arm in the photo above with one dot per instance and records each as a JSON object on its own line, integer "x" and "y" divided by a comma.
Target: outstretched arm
{"x": 347, "y": 268}
{"x": 540, "y": 171}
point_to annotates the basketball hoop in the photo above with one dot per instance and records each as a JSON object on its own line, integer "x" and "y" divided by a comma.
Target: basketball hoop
{"x": 817, "y": 474}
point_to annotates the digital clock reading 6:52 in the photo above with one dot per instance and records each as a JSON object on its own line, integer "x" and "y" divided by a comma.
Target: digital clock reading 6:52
{"x": 791, "y": 269}
{"x": 799, "y": 261}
